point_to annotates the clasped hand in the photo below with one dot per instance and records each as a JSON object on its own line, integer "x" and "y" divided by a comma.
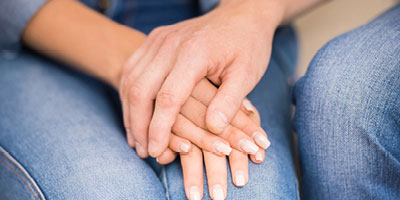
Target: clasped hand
{"x": 183, "y": 91}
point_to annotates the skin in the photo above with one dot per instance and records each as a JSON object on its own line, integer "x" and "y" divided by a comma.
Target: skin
{"x": 228, "y": 46}
{"x": 174, "y": 58}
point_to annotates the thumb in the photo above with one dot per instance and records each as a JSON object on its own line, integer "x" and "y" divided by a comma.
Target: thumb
{"x": 234, "y": 88}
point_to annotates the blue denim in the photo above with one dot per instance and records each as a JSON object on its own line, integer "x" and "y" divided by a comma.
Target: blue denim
{"x": 61, "y": 133}
{"x": 348, "y": 115}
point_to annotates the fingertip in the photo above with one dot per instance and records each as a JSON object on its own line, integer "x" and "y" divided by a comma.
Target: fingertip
{"x": 240, "y": 178}
{"x": 140, "y": 150}
{"x": 194, "y": 193}
{"x": 216, "y": 121}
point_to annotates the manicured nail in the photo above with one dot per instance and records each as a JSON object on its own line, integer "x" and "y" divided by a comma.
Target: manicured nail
{"x": 248, "y": 146}
{"x": 239, "y": 178}
{"x": 139, "y": 149}
{"x": 247, "y": 104}
{"x": 152, "y": 148}
{"x": 218, "y": 193}
{"x": 183, "y": 147}
{"x": 194, "y": 193}
{"x": 220, "y": 121}
{"x": 261, "y": 140}
{"x": 259, "y": 156}
{"x": 222, "y": 147}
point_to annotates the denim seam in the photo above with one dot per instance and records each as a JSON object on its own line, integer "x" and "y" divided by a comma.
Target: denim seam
{"x": 165, "y": 181}
{"x": 32, "y": 186}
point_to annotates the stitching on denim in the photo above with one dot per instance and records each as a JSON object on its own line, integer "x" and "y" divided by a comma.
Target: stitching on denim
{"x": 32, "y": 186}
{"x": 20, "y": 177}
{"x": 165, "y": 181}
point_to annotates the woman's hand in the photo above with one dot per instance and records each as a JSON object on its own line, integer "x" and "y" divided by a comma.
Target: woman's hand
{"x": 230, "y": 46}
{"x": 243, "y": 134}
{"x": 216, "y": 169}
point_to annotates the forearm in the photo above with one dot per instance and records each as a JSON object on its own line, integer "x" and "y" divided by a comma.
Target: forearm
{"x": 69, "y": 31}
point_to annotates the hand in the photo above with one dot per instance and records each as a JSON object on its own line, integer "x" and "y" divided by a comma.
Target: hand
{"x": 243, "y": 134}
{"x": 230, "y": 46}
{"x": 216, "y": 170}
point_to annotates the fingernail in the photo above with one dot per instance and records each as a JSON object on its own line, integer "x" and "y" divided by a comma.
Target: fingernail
{"x": 184, "y": 147}
{"x": 261, "y": 140}
{"x": 239, "y": 178}
{"x": 247, "y": 104}
{"x": 139, "y": 149}
{"x": 218, "y": 193}
{"x": 222, "y": 147}
{"x": 248, "y": 146}
{"x": 194, "y": 193}
{"x": 152, "y": 148}
{"x": 259, "y": 156}
{"x": 220, "y": 120}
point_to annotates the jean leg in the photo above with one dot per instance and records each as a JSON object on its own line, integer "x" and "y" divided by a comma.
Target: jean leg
{"x": 63, "y": 129}
{"x": 275, "y": 178}
{"x": 348, "y": 115}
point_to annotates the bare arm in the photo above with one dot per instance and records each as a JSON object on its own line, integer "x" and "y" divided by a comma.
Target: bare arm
{"x": 71, "y": 32}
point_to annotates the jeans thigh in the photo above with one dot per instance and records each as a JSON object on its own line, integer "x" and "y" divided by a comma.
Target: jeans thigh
{"x": 61, "y": 136}
{"x": 348, "y": 114}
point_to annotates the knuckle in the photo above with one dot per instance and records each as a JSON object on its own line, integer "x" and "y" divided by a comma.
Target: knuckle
{"x": 229, "y": 100}
{"x": 135, "y": 93}
{"x": 166, "y": 99}
{"x": 156, "y": 31}
{"x": 171, "y": 39}
{"x": 192, "y": 44}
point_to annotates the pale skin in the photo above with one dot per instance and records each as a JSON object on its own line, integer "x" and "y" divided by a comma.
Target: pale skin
{"x": 229, "y": 46}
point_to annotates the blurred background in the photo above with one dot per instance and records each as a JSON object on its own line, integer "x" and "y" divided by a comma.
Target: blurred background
{"x": 331, "y": 19}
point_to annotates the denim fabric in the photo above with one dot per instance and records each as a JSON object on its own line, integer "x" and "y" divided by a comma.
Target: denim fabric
{"x": 14, "y": 15}
{"x": 61, "y": 133}
{"x": 348, "y": 115}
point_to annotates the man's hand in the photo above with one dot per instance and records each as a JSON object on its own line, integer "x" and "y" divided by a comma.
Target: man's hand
{"x": 230, "y": 46}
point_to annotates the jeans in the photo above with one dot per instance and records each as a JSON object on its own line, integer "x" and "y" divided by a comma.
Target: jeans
{"x": 348, "y": 115}
{"x": 61, "y": 132}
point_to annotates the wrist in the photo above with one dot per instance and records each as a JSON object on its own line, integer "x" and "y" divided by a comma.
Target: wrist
{"x": 127, "y": 40}
{"x": 266, "y": 15}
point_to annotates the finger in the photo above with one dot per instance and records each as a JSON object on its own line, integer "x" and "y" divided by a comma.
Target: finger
{"x": 200, "y": 137}
{"x": 224, "y": 106}
{"x": 192, "y": 169}
{"x": 239, "y": 164}
{"x": 179, "y": 144}
{"x": 141, "y": 97}
{"x": 195, "y": 111}
{"x": 166, "y": 157}
{"x": 239, "y": 140}
{"x": 247, "y": 125}
{"x": 247, "y": 107}
{"x": 255, "y": 117}
{"x": 144, "y": 90}
{"x": 130, "y": 139}
{"x": 216, "y": 171}
{"x": 258, "y": 157}
{"x": 205, "y": 92}
{"x": 139, "y": 127}
{"x": 174, "y": 92}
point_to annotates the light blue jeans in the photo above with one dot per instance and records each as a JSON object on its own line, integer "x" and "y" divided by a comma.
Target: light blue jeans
{"x": 61, "y": 133}
{"x": 348, "y": 115}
